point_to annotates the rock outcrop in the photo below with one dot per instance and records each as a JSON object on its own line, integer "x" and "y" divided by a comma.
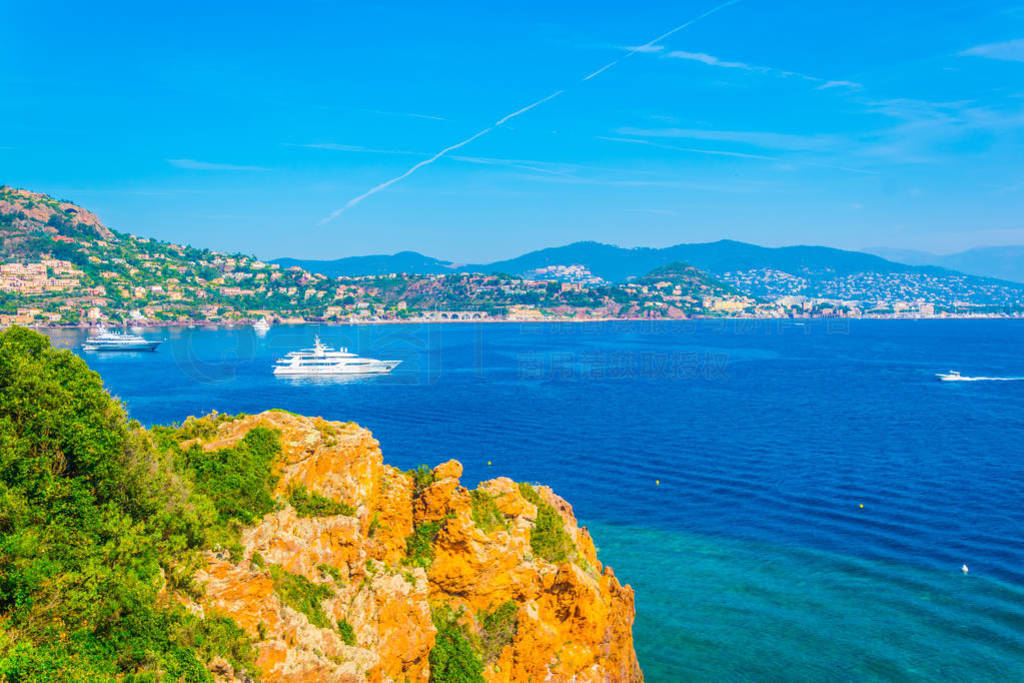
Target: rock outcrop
{"x": 370, "y": 614}
{"x": 35, "y": 211}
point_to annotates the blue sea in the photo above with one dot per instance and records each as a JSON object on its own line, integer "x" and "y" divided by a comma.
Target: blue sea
{"x": 721, "y": 467}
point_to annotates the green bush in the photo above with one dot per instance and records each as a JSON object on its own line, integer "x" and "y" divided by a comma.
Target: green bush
{"x": 418, "y": 549}
{"x": 311, "y": 504}
{"x": 332, "y": 572}
{"x": 95, "y": 515}
{"x": 374, "y": 524}
{"x": 453, "y": 658}
{"x": 422, "y": 477}
{"x": 301, "y": 594}
{"x": 348, "y": 634}
{"x": 548, "y": 538}
{"x": 497, "y": 629}
{"x": 203, "y": 427}
{"x": 485, "y": 512}
{"x": 240, "y": 479}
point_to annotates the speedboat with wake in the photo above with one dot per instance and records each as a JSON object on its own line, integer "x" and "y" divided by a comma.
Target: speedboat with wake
{"x": 322, "y": 361}
{"x": 955, "y": 376}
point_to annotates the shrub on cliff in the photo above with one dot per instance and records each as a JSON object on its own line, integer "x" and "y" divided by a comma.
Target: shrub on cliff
{"x": 311, "y": 504}
{"x": 548, "y": 538}
{"x": 348, "y": 634}
{"x": 94, "y": 519}
{"x": 497, "y": 629}
{"x": 453, "y": 658}
{"x": 422, "y": 477}
{"x": 301, "y": 594}
{"x": 486, "y": 514}
{"x": 419, "y": 551}
{"x": 239, "y": 480}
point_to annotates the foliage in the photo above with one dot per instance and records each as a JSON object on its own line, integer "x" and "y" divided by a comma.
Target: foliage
{"x": 453, "y": 658}
{"x": 497, "y": 629}
{"x": 548, "y": 538}
{"x": 374, "y": 523}
{"x": 422, "y": 477}
{"x": 239, "y": 480}
{"x": 486, "y": 514}
{"x": 332, "y": 572}
{"x": 301, "y": 594}
{"x": 311, "y": 504}
{"x": 348, "y": 634}
{"x": 203, "y": 427}
{"x": 418, "y": 546}
{"x": 95, "y": 520}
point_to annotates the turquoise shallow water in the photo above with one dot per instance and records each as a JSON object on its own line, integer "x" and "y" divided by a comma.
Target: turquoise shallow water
{"x": 714, "y": 608}
{"x": 752, "y": 559}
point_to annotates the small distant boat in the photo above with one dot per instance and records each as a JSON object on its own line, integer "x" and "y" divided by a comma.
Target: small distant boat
{"x": 261, "y": 326}
{"x": 322, "y": 360}
{"x": 951, "y": 376}
{"x": 955, "y": 376}
{"x": 104, "y": 340}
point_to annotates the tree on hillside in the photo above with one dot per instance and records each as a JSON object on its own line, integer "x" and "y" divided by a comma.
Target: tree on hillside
{"x": 95, "y": 523}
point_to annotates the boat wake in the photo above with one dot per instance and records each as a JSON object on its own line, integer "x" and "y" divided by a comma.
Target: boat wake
{"x": 955, "y": 376}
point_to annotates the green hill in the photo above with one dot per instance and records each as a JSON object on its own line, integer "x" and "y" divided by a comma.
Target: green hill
{"x": 58, "y": 258}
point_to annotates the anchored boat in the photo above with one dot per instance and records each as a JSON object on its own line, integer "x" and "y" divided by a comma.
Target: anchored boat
{"x": 322, "y": 360}
{"x": 104, "y": 340}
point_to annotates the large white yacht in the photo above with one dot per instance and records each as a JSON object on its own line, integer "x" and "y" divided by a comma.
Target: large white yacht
{"x": 104, "y": 340}
{"x": 322, "y": 360}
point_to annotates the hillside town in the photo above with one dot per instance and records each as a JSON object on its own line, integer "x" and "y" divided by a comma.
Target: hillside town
{"x": 59, "y": 265}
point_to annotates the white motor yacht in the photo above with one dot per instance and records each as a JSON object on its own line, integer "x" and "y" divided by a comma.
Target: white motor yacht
{"x": 322, "y": 360}
{"x": 104, "y": 340}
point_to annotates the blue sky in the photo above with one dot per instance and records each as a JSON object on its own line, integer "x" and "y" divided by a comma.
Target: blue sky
{"x": 243, "y": 127}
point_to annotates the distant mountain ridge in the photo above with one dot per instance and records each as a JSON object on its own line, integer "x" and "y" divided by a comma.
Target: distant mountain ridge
{"x": 1004, "y": 263}
{"x": 620, "y": 264}
{"x": 375, "y": 264}
{"x": 765, "y": 273}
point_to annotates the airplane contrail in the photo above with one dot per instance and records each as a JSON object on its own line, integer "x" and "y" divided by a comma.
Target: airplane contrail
{"x": 388, "y": 183}
{"x": 663, "y": 36}
{"x": 355, "y": 200}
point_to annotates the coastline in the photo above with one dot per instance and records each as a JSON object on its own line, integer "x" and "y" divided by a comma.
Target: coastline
{"x": 543, "y": 321}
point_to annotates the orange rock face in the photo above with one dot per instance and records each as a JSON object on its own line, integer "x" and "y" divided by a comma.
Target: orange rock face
{"x": 37, "y": 207}
{"x": 573, "y": 620}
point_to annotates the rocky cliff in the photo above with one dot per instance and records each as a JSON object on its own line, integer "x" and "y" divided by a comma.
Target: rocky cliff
{"x": 33, "y": 212}
{"x": 368, "y": 569}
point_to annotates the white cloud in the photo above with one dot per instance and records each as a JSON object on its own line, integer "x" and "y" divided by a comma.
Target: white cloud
{"x": 713, "y": 61}
{"x": 1010, "y": 51}
{"x": 785, "y": 141}
{"x": 925, "y": 130}
{"x": 839, "y": 84}
{"x": 194, "y": 165}
{"x": 645, "y": 48}
{"x": 408, "y": 114}
{"x": 335, "y": 147}
{"x": 714, "y": 152}
{"x": 763, "y": 140}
